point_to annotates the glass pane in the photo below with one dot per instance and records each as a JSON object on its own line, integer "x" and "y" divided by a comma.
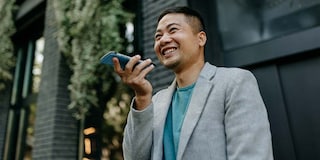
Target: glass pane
{"x": 37, "y": 66}
{"x": 246, "y": 22}
{"x": 36, "y": 78}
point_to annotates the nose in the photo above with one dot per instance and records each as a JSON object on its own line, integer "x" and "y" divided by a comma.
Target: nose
{"x": 165, "y": 38}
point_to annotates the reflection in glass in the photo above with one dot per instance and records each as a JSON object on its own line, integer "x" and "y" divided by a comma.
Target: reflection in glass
{"x": 246, "y": 22}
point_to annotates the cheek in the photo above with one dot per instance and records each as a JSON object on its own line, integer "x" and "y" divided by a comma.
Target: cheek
{"x": 191, "y": 42}
{"x": 156, "y": 47}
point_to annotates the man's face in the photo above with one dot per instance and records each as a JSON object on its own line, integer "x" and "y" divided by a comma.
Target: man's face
{"x": 176, "y": 42}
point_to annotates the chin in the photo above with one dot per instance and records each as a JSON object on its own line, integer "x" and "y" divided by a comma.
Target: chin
{"x": 171, "y": 65}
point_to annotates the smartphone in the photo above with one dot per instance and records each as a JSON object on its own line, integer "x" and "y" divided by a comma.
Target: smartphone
{"x": 123, "y": 59}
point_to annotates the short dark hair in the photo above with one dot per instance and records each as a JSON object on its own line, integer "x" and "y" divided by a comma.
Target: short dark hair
{"x": 188, "y": 12}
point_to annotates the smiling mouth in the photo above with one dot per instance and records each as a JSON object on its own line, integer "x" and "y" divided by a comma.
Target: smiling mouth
{"x": 168, "y": 51}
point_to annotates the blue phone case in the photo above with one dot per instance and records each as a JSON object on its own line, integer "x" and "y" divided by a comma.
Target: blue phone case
{"x": 107, "y": 58}
{"x": 123, "y": 59}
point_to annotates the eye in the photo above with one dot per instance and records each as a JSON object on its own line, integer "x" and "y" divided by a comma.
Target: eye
{"x": 157, "y": 36}
{"x": 173, "y": 29}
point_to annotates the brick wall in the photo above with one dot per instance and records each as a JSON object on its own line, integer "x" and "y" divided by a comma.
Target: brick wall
{"x": 56, "y": 131}
{"x": 160, "y": 77}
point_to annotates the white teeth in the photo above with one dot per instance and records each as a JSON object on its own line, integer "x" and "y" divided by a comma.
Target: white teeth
{"x": 169, "y": 50}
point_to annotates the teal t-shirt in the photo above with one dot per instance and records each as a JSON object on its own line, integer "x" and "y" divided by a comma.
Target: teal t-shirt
{"x": 174, "y": 121}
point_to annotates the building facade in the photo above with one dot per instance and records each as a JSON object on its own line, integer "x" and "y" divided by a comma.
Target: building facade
{"x": 277, "y": 40}
{"x": 53, "y": 134}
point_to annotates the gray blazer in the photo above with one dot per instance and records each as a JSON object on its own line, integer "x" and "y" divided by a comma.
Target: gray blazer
{"x": 226, "y": 120}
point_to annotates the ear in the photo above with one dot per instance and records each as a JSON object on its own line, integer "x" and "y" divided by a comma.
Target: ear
{"x": 202, "y": 38}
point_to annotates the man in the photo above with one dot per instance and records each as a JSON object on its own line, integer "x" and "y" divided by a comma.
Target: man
{"x": 208, "y": 112}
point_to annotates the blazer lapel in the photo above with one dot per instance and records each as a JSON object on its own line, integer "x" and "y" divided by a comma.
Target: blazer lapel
{"x": 162, "y": 106}
{"x": 199, "y": 98}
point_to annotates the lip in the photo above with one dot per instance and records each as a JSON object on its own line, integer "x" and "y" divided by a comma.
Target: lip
{"x": 168, "y": 49}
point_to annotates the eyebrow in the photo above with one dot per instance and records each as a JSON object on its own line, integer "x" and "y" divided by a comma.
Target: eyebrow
{"x": 168, "y": 26}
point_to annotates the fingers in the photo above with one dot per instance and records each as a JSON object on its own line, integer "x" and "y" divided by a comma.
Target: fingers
{"x": 117, "y": 66}
{"x": 133, "y": 62}
{"x": 134, "y": 69}
{"x": 143, "y": 68}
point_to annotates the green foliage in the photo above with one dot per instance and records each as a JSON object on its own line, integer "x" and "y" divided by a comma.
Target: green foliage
{"x": 113, "y": 123}
{"x": 87, "y": 30}
{"x": 7, "y": 28}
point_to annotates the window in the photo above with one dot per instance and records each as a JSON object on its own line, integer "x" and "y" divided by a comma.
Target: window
{"x": 19, "y": 137}
{"x": 248, "y": 22}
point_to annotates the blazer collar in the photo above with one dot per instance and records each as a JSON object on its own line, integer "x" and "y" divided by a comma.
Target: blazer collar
{"x": 199, "y": 98}
{"x": 162, "y": 107}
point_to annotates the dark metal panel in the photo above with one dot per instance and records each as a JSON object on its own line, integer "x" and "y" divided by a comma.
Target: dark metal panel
{"x": 29, "y": 21}
{"x": 27, "y": 6}
{"x": 301, "y": 86}
{"x": 270, "y": 89}
{"x": 277, "y": 48}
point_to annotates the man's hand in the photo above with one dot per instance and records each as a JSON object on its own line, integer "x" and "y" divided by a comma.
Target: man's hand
{"x": 134, "y": 76}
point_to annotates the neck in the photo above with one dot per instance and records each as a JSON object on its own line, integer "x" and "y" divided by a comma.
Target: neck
{"x": 189, "y": 75}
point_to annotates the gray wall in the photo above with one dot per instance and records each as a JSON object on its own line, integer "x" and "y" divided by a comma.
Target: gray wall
{"x": 160, "y": 77}
{"x": 56, "y": 131}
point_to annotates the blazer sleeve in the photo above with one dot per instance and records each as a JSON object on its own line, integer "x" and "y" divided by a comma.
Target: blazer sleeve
{"x": 247, "y": 127}
{"x": 137, "y": 141}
